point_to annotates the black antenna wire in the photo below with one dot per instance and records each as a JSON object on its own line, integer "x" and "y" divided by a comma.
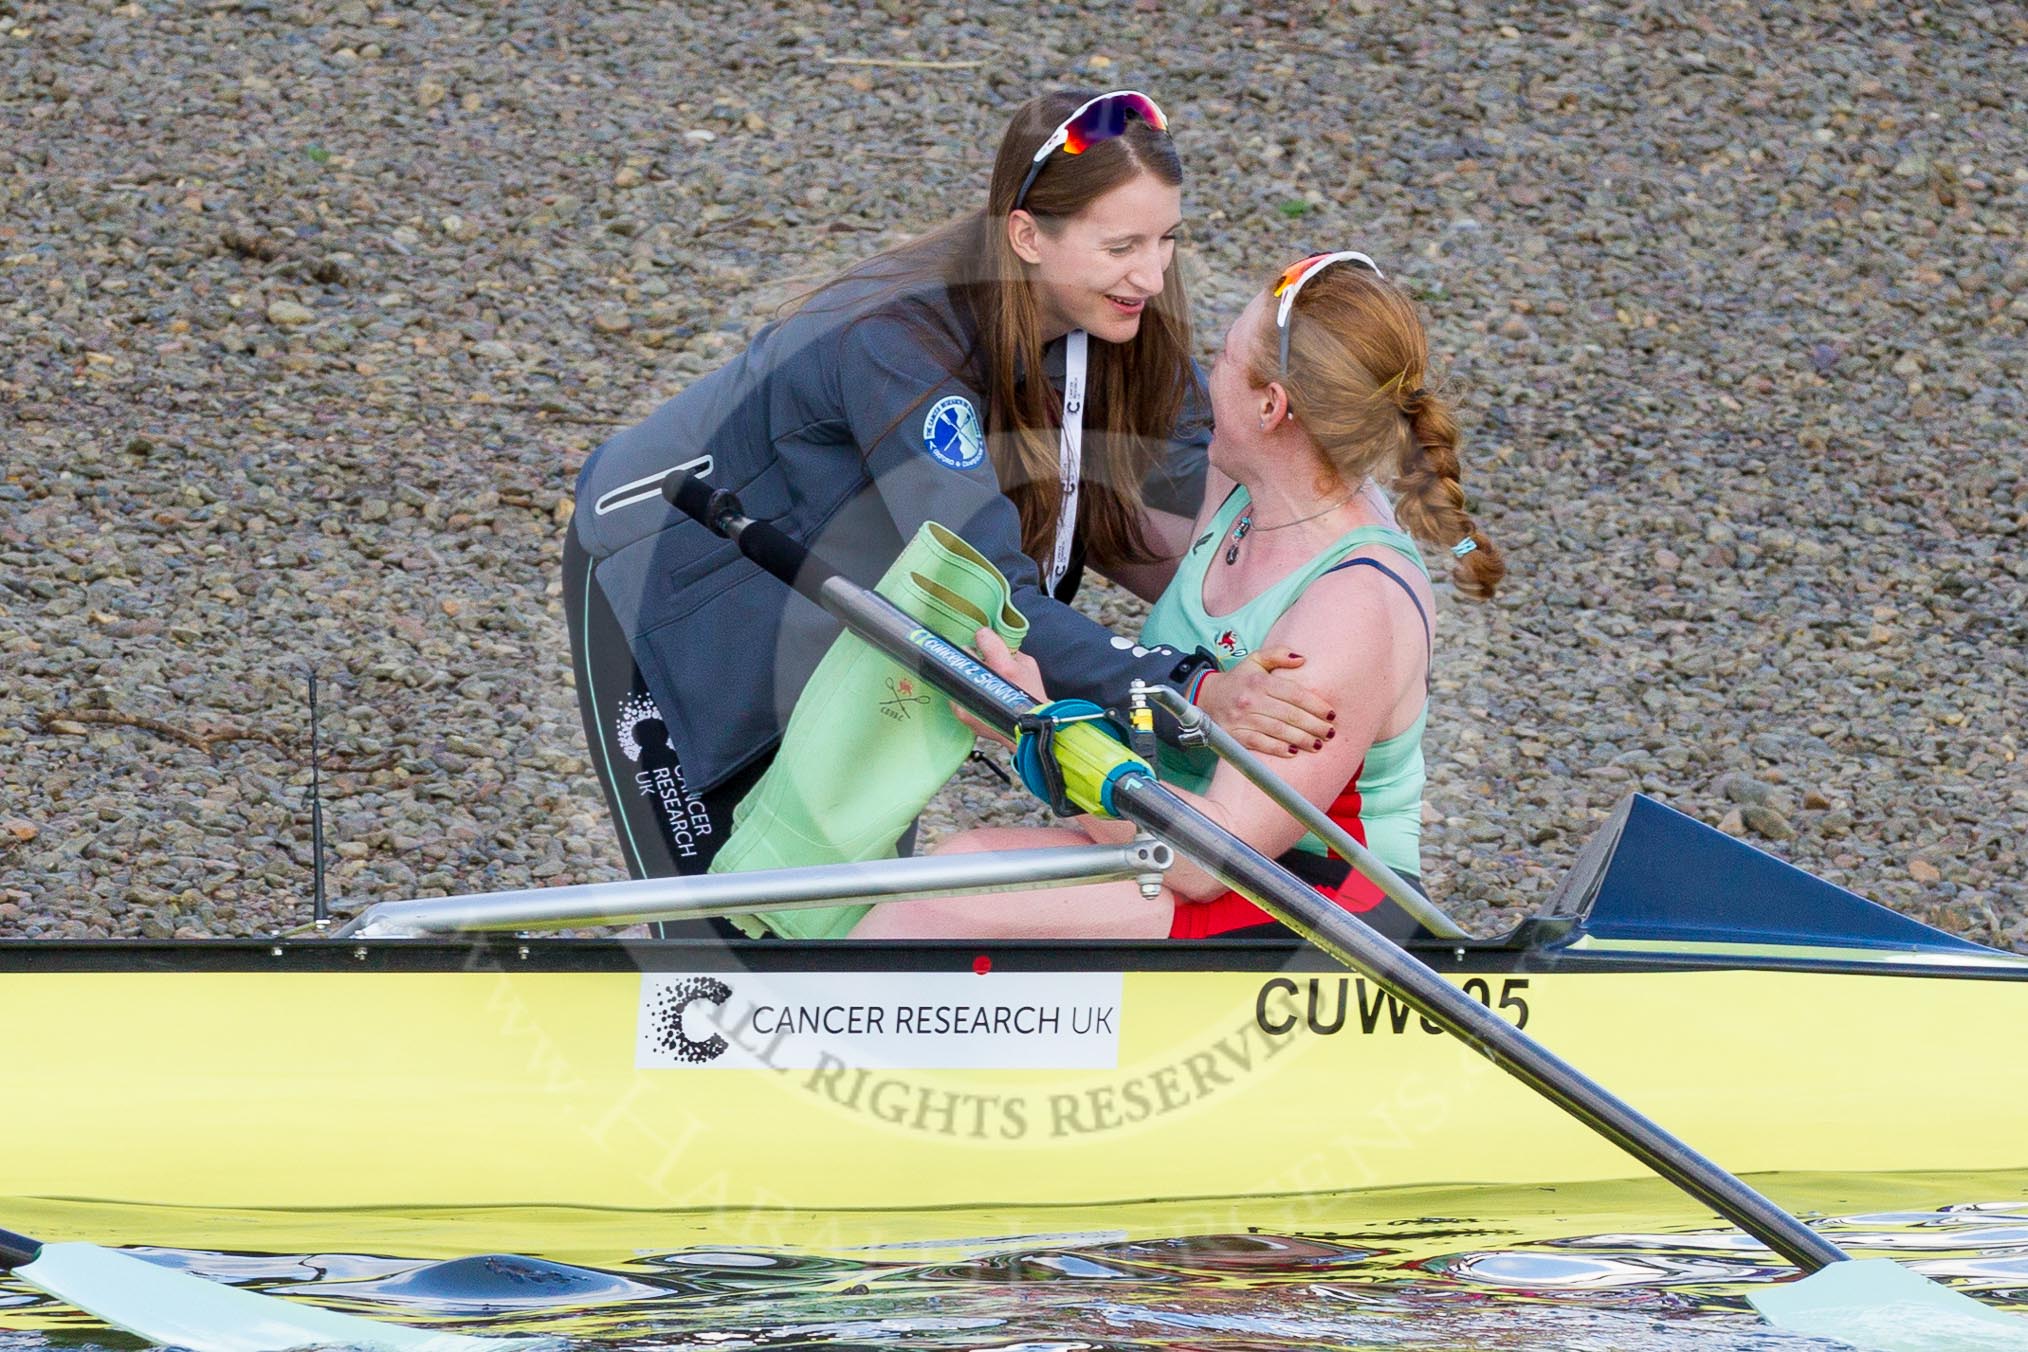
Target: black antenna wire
{"x": 320, "y": 913}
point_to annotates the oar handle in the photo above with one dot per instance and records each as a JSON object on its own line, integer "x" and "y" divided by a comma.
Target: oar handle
{"x": 720, "y": 512}
{"x": 17, "y": 1250}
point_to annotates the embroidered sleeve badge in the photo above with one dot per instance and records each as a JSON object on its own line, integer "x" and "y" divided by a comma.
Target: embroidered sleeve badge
{"x": 951, "y": 433}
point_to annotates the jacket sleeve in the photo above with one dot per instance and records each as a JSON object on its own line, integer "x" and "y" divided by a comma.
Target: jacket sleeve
{"x": 920, "y": 425}
{"x": 1176, "y": 483}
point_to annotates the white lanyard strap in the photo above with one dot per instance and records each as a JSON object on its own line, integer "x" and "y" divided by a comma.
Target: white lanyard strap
{"x": 1070, "y": 455}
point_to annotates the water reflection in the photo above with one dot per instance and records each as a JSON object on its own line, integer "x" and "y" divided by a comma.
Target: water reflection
{"x": 487, "y": 1284}
{"x": 1425, "y": 1283}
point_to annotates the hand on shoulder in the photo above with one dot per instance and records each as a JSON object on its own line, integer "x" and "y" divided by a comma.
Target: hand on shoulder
{"x": 1267, "y": 710}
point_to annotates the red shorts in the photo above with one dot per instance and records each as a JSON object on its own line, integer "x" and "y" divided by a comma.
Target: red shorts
{"x": 1220, "y": 915}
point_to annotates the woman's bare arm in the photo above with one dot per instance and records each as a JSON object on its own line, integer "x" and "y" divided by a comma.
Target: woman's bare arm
{"x": 1363, "y": 658}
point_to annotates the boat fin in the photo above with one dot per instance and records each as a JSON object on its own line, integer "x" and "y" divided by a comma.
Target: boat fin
{"x": 180, "y": 1310}
{"x": 1878, "y": 1304}
{"x": 1652, "y": 873}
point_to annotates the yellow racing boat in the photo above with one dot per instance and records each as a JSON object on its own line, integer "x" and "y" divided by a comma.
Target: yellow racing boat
{"x": 1780, "y": 1023}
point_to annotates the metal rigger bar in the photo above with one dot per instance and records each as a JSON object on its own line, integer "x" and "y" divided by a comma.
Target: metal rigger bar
{"x": 793, "y": 889}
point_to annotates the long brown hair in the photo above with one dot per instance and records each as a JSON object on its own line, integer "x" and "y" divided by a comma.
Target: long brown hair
{"x": 1358, "y": 383}
{"x": 1134, "y": 390}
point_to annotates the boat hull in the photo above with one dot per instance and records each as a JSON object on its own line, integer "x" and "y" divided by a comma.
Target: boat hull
{"x": 550, "y": 1072}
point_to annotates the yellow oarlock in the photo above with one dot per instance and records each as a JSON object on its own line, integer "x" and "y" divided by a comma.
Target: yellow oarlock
{"x": 1069, "y": 755}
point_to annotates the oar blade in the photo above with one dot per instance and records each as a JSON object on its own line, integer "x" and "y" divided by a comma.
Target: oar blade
{"x": 1879, "y": 1305}
{"x": 174, "y": 1308}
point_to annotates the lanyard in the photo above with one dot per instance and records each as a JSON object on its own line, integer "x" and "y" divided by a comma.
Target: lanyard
{"x": 1070, "y": 455}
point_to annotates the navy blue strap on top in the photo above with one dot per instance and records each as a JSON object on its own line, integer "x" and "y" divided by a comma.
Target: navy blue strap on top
{"x": 1429, "y": 655}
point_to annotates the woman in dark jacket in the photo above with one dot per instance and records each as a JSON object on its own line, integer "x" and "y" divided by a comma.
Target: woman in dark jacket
{"x": 1021, "y": 376}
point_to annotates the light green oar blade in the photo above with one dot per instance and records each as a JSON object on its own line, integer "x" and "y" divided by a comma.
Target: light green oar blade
{"x": 1877, "y": 1304}
{"x": 175, "y": 1308}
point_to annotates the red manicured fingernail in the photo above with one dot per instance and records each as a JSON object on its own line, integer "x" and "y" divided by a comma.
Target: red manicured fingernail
{"x": 1329, "y": 735}
{"x": 1331, "y": 717}
{"x": 1295, "y": 654}
{"x": 1316, "y": 746}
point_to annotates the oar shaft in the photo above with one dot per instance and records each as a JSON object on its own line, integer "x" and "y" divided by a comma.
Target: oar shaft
{"x": 1147, "y": 804}
{"x": 902, "y": 637}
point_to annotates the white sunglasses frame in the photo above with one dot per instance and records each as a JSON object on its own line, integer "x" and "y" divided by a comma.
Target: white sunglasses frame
{"x": 1288, "y": 297}
{"x": 1061, "y": 136}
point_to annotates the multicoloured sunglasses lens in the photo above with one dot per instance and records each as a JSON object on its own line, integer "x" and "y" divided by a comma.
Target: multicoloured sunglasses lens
{"x": 1105, "y": 118}
{"x": 1291, "y": 284}
{"x": 1101, "y": 119}
{"x": 1295, "y": 271}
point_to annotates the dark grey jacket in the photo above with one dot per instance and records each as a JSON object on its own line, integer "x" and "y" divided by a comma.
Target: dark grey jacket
{"x": 844, "y": 426}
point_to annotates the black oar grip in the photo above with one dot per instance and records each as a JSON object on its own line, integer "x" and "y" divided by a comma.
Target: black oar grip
{"x": 691, "y": 497}
{"x": 784, "y": 557}
{"x": 17, "y": 1250}
{"x": 721, "y": 512}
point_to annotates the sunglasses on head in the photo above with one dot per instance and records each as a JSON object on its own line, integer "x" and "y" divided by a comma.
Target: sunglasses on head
{"x": 1096, "y": 120}
{"x": 1296, "y": 274}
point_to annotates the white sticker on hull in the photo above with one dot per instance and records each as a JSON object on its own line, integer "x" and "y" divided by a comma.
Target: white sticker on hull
{"x": 879, "y": 1020}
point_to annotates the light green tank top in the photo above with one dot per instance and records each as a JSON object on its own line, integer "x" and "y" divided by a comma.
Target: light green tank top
{"x": 1385, "y": 795}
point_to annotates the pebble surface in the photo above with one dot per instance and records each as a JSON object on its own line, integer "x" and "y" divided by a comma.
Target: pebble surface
{"x": 310, "y": 313}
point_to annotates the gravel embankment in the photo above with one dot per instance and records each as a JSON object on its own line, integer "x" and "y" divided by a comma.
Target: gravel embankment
{"x": 310, "y": 312}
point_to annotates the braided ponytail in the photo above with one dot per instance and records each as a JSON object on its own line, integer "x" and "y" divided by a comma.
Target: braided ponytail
{"x": 1358, "y": 359}
{"x": 1430, "y": 501}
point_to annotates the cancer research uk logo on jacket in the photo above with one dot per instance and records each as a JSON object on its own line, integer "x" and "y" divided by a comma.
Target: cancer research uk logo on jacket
{"x": 643, "y": 738}
{"x": 913, "y": 1021}
{"x": 951, "y": 433}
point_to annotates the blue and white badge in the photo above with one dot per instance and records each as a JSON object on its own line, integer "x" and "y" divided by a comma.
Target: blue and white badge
{"x": 951, "y": 433}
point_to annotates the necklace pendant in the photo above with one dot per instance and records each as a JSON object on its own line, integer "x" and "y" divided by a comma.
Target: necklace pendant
{"x": 1239, "y": 530}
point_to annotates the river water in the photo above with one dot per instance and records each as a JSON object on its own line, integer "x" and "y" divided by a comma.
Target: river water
{"x": 1625, "y": 1266}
